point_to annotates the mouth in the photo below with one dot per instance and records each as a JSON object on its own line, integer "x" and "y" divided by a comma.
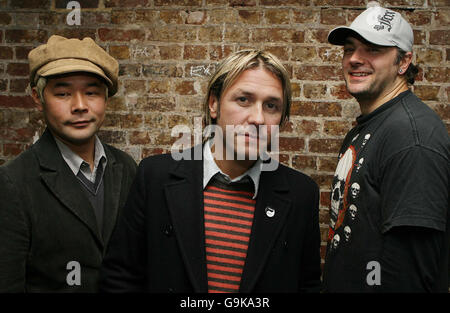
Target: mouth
{"x": 80, "y": 123}
{"x": 359, "y": 74}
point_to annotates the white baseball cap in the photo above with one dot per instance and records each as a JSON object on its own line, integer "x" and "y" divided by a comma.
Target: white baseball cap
{"x": 379, "y": 26}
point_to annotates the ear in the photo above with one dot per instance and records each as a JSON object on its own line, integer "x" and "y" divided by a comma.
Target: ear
{"x": 36, "y": 99}
{"x": 405, "y": 62}
{"x": 213, "y": 104}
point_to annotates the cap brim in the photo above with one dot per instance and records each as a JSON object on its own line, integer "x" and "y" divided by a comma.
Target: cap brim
{"x": 65, "y": 66}
{"x": 338, "y": 36}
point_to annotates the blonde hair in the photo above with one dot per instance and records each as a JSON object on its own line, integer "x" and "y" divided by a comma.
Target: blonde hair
{"x": 233, "y": 66}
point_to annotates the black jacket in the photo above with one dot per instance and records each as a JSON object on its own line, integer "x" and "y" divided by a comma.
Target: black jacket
{"x": 46, "y": 220}
{"x": 159, "y": 243}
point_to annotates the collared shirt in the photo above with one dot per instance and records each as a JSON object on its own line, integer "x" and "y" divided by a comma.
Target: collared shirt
{"x": 210, "y": 169}
{"x": 77, "y": 164}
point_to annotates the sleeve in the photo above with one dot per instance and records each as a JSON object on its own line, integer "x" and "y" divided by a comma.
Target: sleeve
{"x": 414, "y": 189}
{"x": 410, "y": 259}
{"x": 14, "y": 237}
{"x": 123, "y": 267}
{"x": 311, "y": 272}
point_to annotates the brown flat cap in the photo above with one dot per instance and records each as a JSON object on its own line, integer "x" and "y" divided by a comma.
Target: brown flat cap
{"x": 61, "y": 55}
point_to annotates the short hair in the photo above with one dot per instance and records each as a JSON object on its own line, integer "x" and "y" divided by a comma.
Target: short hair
{"x": 411, "y": 71}
{"x": 233, "y": 66}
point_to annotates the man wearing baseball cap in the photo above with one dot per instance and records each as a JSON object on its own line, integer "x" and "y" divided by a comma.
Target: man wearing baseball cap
{"x": 60, "y": 199}
{"x": 389, "y": 216}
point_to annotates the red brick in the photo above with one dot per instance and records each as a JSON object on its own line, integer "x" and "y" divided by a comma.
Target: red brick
{"x": 18, "y": 85}
{"x": 161, "y": 70}
{"x": 30, "y": 4}
{"x": 164, "y": 104}
{"x": 119, "y": 52}
{"x": 427, "y": 92}
{"x": 292, "y": 144}
{"x": 336, "y": 128}
{"x": 5, "y": 18}
{"x": 146, "y": 152}
{"x": 305, "y": 16}
{"x": 126, "y": 3}
{"x": 26, "y": 36}
{"x": 185, "y": 87}
{"x": 304, "y": 162}
{"x": 318, "y": 73}
{"x": 277, "y": 35}
{"x": 6, "y": 52}
{"x": 3, "y": 86}
{"x": 429, "y": 56}
{"x": 249, "y": 16}
{"x": 16, "y": 102}
{"x": 22, "y": 52}
{"x": 314, "y": 91}
{"x": 79, "y": 33}
{"x": 325, "y": 200}
{"x": 340, "y": 92}
{"x": 19, "y": 134}
{"x": 219, "y": 52}
{"x": 440, "y": 37}
{"x": 325, "y": 145}
{"x": 332, "y": 17}
{"x": 122, "y": 17}
{"x": 196, "y": 17}
{"x": 109, "y": 34}
{"x": 285, "y": 2}
{"x": 304, "y": 54}
{"x": 12, "y": 149}
{"x": 243, "y": 3}
{"x": 437, "y": 74}
{"x": 84, "y": 4}
{"x": 139, "y": 138}
{"x": 277, "y": 16}
{"x": 339, "y": 3}
{"x": 323, "y": 180}
{"x": 303, "y": 108}
{"x": 281, "y": 52}
{"x": 327, "y": 164}
{"x": 112, "y": 136}
{"x": 197, "y": 52}
{"x": 178, "y": 2}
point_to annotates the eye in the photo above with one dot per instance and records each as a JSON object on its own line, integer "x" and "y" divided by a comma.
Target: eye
{"x": 348, "y": 50}
{"x": 62, "y": 94}
{"x": 272, "y": 106}
{"x": 241, "y": 99}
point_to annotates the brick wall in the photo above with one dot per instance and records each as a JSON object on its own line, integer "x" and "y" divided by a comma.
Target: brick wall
{"x": 167, "y": 48}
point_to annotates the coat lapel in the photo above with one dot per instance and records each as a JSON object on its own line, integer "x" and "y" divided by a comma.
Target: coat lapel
{"x": 266, "y": 228}
{"x": 184, "y": 196}
{"x": 113, "y": 185}
{"x": 63, "y": 184}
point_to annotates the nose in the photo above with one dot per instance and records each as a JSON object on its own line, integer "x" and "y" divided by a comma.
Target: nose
{"x": 79, "y": 104}
{"x": 357, "y": 57}
{"x": 256, "y": 116}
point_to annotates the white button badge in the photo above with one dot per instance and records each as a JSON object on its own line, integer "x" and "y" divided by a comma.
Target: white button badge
{"x": 270, "y": 212}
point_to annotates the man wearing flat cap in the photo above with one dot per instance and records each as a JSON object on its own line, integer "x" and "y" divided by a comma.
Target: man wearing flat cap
{"x": 389, "y": 227}
{"x": 60, "y": 199}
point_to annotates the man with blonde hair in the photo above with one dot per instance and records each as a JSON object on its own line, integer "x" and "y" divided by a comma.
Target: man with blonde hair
{"x": 60, "y": 199}
{"x": 222, "y": 222}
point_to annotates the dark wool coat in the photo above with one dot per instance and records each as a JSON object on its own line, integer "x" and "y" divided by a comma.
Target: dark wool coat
{"x": 46, "y": 220}
{"x": 159, "y": 243}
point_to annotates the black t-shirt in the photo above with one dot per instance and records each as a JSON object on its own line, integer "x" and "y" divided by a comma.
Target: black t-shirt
{"x": 393, "y": 173}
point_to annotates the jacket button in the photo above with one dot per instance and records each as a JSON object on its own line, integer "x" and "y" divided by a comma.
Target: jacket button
{"x": 168, "y": 230}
